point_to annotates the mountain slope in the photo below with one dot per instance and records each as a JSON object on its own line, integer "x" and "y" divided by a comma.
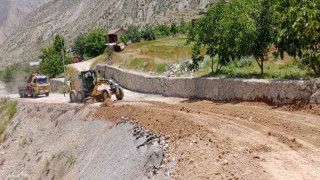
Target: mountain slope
{"x": 70, "y": 18}
{"x": 13, "y": 11}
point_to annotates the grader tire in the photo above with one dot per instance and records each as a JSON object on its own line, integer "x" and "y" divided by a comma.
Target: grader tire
{"x": 120, "y": 94}
{"x": 73, "y": 96}
{"x": 105, "y": 95}
{"x": 80, "y": 96}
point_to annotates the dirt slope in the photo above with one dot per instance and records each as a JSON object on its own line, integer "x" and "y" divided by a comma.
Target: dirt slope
{"x": 238, "y": 141}
{"x": 61, "y": 141}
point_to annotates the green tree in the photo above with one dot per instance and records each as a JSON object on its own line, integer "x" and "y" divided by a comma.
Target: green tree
{"x": 15, "y": 73}
{"x": 258, "y": 33}
{"x": 52, "y": 62}
{"x": 212, "y": 32}
{"x": 59, "y": 43}
{"x": 133, "y": 33}
{"x": 95, "y": 42}
{"x": 6, "y": 75}
{"x": 148, "y": 33}
{"x": 174, "y": 29}
{"x": 78, "y": 47}
{"x": 183, "y": 27}
{"x": 123, "y": 39}
{"x": 162, "y": 30}
{"x": 298, "y": 26}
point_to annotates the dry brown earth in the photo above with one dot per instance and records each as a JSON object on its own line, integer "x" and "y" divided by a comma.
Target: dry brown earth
{"x": 238, "y": 141}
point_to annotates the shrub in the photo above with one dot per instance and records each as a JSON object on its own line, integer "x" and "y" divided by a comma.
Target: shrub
{"x": 174, "y": 29}
{"x": 95, "y": 42}
{"x": 78, "y": 47}
{"x": 134, "y": 34}
{"x": 161, "y": 68}
{"x": 162, "y": 30}
{"x": 148, "y": 33}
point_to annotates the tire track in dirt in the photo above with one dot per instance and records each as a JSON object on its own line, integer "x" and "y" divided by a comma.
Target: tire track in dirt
{"x": 239, "y": 141}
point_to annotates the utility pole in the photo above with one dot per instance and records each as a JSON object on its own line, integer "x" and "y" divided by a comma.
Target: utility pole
{"x": 64, "y": 69}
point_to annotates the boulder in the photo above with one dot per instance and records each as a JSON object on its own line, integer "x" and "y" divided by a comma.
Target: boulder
{"x": 315, "y": 98}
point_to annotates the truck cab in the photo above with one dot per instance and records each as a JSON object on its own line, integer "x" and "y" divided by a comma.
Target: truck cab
{"x": 40, "y": 85}
{"x": 36, "y": 85}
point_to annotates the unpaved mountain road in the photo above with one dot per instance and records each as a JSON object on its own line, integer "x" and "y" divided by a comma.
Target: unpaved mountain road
{"x": 82, "y": 66}
{"x": 222, "y": 140}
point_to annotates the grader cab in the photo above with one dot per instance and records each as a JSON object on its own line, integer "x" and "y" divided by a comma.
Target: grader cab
{"x": 89, "y": 86}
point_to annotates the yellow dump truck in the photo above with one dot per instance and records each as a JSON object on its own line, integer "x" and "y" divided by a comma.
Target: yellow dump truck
{"x": 36, "y": 85}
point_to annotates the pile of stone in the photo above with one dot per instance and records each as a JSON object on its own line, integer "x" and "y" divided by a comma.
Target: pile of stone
{"x": 181, "y": 69}
{"x": 157, "y": 162}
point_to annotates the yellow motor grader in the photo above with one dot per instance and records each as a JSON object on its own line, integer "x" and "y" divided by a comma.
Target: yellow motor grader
{"x": 89, "y": 86}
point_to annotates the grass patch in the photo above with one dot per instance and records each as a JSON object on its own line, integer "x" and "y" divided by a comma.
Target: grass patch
{"x": 248, "y": 68}
{"x": 71, "y": 160}
{"x": 100, "y": 59}
{"x": 8, "y": 109}
{"x": 161, "y": 68}
{"x": 39, "y": 158}
{"x": 71, "y": 74}
{"x": 153, "y": 55}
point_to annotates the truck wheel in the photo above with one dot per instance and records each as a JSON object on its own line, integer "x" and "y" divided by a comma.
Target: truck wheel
{"x": 120, "y": 94}
{"x": 105, "y": 95}
{"x": 80, "y": 96}
{"x": 73, "y": 96}
{"x": 47, "y": 94}
{"x": 34, "y": 95}
{"x": 20, "y": 94}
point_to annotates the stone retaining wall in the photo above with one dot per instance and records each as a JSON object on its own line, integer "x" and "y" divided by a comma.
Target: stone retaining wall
{"x": 56, "y": 84}
{"x": 219, "y": 89}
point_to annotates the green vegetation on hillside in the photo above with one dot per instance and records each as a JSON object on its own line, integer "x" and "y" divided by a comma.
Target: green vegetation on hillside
{"x": 91, "y": 45}
{"x": 153, "y": 55}
{"x": 8, "y": 109}
{"x": 71, "y": 74}
{"x": 15, "y": 73}
{"x": 52, "y": 63}
{"x": 248, "y": 68}
{"x": 249, "y": 28}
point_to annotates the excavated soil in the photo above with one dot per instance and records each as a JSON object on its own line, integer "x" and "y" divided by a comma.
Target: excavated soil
{"x": 230, "y": 140}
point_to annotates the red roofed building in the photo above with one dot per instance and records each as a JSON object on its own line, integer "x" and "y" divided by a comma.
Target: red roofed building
{"x": 114, "y": 35}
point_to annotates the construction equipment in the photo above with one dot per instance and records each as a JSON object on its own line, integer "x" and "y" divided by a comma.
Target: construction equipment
{"x": 36, "y": 85}
{"x": 89, "y": 86}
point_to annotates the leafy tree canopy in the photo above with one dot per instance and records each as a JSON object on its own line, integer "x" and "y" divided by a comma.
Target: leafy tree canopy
{"x": 95, "y": 42}
{"x": 52, "y": 62}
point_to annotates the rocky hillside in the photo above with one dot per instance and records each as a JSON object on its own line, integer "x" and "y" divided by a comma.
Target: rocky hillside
{"x": 73, "y": 17}
{"x": 13, "y": 11}
{"x": 56, "y": 141}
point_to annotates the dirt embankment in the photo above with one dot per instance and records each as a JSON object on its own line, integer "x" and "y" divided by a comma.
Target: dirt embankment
{"x": 222, "y": 141}
{"x": 63, "y": 141}
{"x": 189, "y": 139}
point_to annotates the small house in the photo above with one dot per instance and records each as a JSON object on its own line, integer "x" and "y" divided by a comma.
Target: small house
{"x": 114, "y": 35}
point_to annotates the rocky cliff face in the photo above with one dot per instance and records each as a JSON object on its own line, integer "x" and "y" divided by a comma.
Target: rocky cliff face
{"x": 13, "y": 11}
{"x": 72, "y": 17}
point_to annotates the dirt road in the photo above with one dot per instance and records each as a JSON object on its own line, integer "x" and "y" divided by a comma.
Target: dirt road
{"x": 222, "y": 141}
{"x": 211, "y": 140}
{"x": 82, "y": 66}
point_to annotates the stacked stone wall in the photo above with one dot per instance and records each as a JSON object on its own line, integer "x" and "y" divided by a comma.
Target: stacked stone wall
{"x": 218, "y": 89}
